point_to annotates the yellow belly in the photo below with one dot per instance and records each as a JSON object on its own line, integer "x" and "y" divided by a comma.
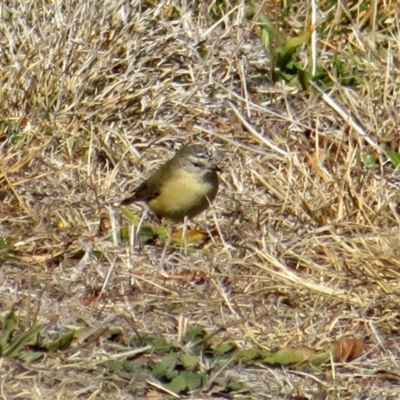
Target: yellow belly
{"x": 185, "y": 196}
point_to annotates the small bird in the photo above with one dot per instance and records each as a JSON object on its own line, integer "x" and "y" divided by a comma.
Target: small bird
{"x": 181, "y": 188}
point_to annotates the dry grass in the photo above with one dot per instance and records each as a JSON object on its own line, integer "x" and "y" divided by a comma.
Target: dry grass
{"x": 94, "y": 97}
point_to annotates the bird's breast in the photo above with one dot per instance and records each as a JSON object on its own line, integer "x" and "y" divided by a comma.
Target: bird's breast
{"x": 185, "y": 195}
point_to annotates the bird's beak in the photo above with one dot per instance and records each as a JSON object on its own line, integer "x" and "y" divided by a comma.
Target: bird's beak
{"x": 214, "y": 167}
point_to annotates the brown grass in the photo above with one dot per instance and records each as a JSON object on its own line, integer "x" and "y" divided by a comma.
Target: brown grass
{"x": 94, "y": 97}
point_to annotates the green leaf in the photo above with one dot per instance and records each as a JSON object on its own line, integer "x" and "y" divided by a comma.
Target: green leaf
{"x": 130, "y": 215}
{"x": 114, "y": 367}
{"x": 320, "y": 359}
{"x": 160, "y": 345}
{"x": 248, "y": 355}
{"x": 165, "y": 366}
{"x": 124, "y": 232}
{"x": 177, "y": 385}
{"x": 269, "y": 33}
{"x": 193, "y": 380}
{"x": 195, "y": 333}
{"x": 202, "y": 49}
{"x": 8, "y": 326}
{"x": 225, "y": 348}
{"x": 287, "y": 50}
{"x": 4, "y": 244}
{"x": 29, "y": 337}
{"x": 369, "y": 161}
{"x": 394, "y": 157}
{"x": 160, "y": 232}
{"x": 236, "y": 386}
{"x": 32, "y": 356}
{"x": 189, "y": 361}
{"x": 147, "y": 232}
{"x": 284, "y": 356}
{"x": 63, "y": 343}
{"x": 296, "y": 356}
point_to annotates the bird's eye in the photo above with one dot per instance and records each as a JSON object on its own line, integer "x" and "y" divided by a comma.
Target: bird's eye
{"x": 202, "y": 155}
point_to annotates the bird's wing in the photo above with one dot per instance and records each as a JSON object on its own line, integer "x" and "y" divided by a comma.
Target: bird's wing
{"x": 147, "y": 190}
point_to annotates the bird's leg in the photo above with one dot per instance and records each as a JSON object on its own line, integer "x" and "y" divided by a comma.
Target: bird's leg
{"x": 167, "y": 243}
{"x": 184, "y": 234}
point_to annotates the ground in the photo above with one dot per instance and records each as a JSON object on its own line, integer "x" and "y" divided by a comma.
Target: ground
{"x": 299, "y": 253}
